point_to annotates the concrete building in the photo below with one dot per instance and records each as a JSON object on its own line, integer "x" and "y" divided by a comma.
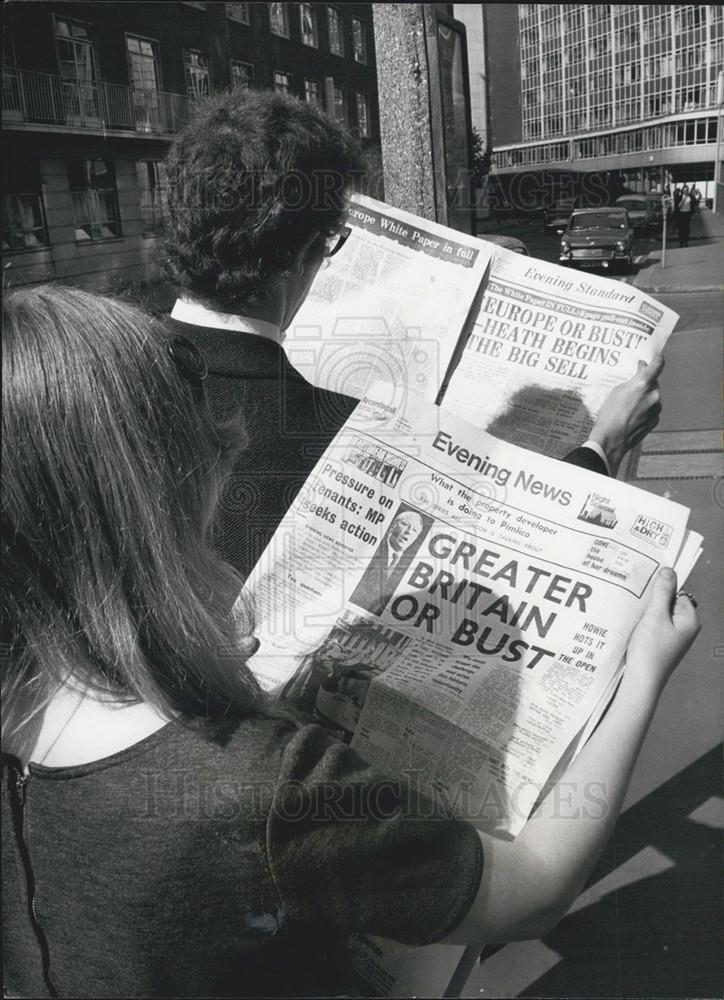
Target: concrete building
{"x": 471, "y": 15}
{"x": 94, "y": 92}
{"x": 625, "y": 92}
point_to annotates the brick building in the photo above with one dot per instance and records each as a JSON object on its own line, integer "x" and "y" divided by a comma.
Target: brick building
{"x": 94, "y": 92}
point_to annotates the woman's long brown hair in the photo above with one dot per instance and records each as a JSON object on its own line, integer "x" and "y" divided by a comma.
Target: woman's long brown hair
{"x": 110, "y": 474}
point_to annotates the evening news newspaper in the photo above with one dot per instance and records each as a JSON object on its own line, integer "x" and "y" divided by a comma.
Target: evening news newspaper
{"x": 453, "y": 601}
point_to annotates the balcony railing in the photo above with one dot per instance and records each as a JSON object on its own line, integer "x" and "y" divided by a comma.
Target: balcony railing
{"x": 45, "y": 99}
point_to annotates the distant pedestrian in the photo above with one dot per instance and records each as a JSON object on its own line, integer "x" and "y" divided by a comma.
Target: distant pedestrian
{"x": 683, "y": 210}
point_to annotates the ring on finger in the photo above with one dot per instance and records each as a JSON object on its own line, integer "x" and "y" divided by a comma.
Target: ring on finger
{"x": 691, "y": 597}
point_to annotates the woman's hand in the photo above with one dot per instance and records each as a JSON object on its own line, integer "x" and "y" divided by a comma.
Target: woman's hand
{"x": 529, "y": 883}
{"x": 667, "y": 628}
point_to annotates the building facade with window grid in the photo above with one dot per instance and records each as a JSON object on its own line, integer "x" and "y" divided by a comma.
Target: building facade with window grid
{"x": 607, "y": 87}
{"x": 94, "y": 92}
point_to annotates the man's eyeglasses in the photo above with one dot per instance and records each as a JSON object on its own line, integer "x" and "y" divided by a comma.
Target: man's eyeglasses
{"x": 336, "y": 241}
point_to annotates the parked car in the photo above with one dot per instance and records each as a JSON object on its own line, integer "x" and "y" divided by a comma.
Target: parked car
{"x": 558, "y": 216}
{"x": 640, "y": 212}
{"x": 599, "y": 237}
{"x": 657, "y": 209}
{"x": 508, "y": 242}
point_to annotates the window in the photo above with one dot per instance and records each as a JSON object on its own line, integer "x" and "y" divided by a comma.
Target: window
{"x": 23, "y": 213}
{"x": 359, "y": 41}
{"x": 242, "y": 74}
{"x": 144, "y": 75}
{"x": 76, "y": 59}
{"x": 152, "y": 185}
{"x": 334, "y": 19}
{"x": 95, "y": 204}
{"x": 11, "y": 86}
{"x": 9, "y": 65}
{"x": 198, "y": 81}
{"x": 363, "y": 116}
{"x": 339, "y": 111}
{"x": 143, "y": 63}
{"x": 313, "y": 92}
{"x": 279, "y": 19}
{"x": 308, "y": 24}
{"x": 238, "y": 12}
{"x": 282, "y": 82}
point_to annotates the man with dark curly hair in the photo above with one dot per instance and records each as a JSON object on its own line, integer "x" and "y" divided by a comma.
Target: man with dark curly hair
{"x": 258, "y": 184}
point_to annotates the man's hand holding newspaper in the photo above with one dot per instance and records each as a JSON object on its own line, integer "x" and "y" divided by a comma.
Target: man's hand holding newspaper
{"x": 630, "y": 411}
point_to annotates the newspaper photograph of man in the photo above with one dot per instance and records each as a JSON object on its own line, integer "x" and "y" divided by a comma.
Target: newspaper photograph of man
{"x": 388, "y": 564}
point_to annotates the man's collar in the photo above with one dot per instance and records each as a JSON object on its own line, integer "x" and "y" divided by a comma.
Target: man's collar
{"x": 189, "y": 310}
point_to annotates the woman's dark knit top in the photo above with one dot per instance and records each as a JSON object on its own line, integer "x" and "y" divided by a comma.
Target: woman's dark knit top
{"x": 184, "y": 866}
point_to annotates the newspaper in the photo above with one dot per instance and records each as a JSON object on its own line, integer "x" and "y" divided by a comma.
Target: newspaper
{"x": 526, "y": 349}
{"x": 390, "y": 306}
{"x": 455, "y": 605}
{"x": 475, "y": 663}
{"x": 547, "y": 346}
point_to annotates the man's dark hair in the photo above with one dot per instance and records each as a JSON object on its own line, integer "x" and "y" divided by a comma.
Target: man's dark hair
{"x": 253, "y": 178}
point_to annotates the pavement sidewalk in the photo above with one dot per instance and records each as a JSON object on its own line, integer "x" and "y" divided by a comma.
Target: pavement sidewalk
{"x": 696, "y": 268}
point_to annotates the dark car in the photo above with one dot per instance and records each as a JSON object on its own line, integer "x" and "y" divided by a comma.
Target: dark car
{"x": 639, "y": 208}
{"x": 558, "y": 215}
{"x": 508, "y": 242}
{"x": 598, "y": 237}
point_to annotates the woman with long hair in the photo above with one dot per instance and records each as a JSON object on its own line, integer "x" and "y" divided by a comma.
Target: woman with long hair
{"x": 110, "y": 471}
{"x": 167, "y": 831}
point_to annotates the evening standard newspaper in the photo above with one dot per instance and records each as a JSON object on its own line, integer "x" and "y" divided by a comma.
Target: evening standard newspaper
{"x": 390, "y": 306}
{"x": 547, "y": 346}
{"x": 457, "y": 608}
{"x": 526, "y": 349}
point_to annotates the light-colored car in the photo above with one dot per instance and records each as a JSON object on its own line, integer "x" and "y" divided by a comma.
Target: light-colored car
{"x": 508, "y": 242}
{"x": 656, "y": 204}
{"x": 640, "y": 212}
{"x": 598, "y": 237}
